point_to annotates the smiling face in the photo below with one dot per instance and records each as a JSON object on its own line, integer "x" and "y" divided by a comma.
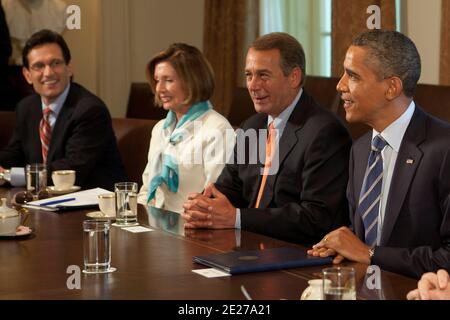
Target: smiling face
{"x": 270, "y": 90}
{"x": 48, "y": 72}
{"x": 365, "y": 95}
{"x": 170, "y": 89}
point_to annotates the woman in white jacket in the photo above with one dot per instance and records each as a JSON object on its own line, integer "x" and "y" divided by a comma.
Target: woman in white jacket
{"x": 189, "y": 148}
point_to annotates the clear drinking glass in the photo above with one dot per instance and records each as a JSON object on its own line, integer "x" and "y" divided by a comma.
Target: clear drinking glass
{"x": 36, "y": 178}
{"x": 339, "y": 283}
{"x": 97, "y": 246}
{"x": 126, "y": 203}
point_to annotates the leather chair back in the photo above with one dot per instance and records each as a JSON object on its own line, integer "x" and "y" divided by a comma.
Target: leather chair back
{"x": 133, "y": 139}
{"x": 141, "y": 103}
{"x": 7, "y": 124}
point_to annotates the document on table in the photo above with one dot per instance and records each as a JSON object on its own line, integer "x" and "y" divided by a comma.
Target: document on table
{"x": 72, "y": 201}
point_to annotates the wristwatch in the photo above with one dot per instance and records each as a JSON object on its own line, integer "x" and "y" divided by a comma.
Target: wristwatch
{"x": 371, "y": 253}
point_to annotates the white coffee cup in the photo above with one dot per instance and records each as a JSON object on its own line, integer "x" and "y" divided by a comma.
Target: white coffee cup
{"x": 314, "y": 290}
{"x": 63, "y": 179}
{"x": 107, "y": 204}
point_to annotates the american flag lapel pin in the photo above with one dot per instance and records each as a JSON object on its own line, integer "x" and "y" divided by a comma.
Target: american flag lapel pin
{"x": 409, "y": 161}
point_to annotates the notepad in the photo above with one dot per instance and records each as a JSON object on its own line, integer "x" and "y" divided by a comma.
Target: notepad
{"x": 83, "y": 200}
{"x": 244, "y": 261}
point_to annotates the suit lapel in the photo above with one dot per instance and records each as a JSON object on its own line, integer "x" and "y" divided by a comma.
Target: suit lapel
{"x": 408, "y": 160}
{"x": 361, "y": 154}
{"x": 36, "y": 117}
{"x": 58, "y": 130}
{"x": 287, "y": 142}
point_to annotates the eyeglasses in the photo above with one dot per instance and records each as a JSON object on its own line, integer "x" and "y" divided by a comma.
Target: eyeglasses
{"x": 54, "y": 64}
{"x": 23, "y": 197}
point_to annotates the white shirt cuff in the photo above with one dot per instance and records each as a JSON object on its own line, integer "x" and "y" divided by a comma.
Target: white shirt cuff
{"x": 17, "y": 177}
{"x": 237, "y": 224}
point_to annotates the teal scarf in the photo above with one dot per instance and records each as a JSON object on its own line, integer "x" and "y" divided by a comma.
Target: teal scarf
{"x": 165, "y": 169}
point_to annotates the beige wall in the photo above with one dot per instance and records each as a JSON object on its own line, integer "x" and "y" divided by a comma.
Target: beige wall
{"x": 423, "y": 26}
{"x": 118, "y": 37}
{"x": 158, "y": 23}
{"x": 83, "y": 44}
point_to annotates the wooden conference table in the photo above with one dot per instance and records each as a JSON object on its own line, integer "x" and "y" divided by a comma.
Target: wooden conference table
{"x": 151, "y": 265}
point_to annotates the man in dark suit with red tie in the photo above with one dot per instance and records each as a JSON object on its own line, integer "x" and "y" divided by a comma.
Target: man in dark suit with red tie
{"x": 399, "y": 186}
{"x": 297, "y": 191}
{"x": 63, "y": 125}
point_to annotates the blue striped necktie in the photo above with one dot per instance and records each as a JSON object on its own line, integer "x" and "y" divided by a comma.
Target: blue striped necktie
{"x": 370, "y": 197}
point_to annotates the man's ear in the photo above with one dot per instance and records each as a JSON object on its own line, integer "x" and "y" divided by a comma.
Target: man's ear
{"x": 27, "y": 74}
{"x": 394, "y": 88}
{"x": 70, "y": 69}
{"x": 295, "y": 77}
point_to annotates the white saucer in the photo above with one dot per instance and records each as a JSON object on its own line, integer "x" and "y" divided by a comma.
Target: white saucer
{"x": 23, "y": 231}
{"x": 52, "y": 190}
{"x": 99, "y": 215}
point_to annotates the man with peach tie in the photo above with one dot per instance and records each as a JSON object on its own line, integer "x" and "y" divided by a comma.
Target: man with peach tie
{"x": 297, "y": 193}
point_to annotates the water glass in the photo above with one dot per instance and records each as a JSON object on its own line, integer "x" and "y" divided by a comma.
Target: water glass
{"x": 126, "y": 203}
{"x": 339, "y": 283}
{"x": 36, "y": 178}
{"x": 97, "y": 246}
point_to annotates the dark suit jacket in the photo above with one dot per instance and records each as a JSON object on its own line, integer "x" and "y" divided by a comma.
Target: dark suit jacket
{"x": 82, "y": 139}
{"x": 306, "y": 198}
{"x": 416, "y": 231}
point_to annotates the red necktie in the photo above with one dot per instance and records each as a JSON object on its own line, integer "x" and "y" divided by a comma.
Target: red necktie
{"x": 270, "y": 146}
{"x": 45, "y": 133}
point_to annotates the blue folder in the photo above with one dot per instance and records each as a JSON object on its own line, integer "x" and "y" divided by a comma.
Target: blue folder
{"x": 244, "y": 261}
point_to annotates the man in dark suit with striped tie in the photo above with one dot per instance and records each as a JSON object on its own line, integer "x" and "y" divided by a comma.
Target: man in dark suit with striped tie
{"x": 399, "y": 175}
{"x": 63, "y": 125}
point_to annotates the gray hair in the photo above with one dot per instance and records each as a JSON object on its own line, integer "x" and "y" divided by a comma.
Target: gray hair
{"x": 392, "y": 54}
{"x": 292, "y": 54}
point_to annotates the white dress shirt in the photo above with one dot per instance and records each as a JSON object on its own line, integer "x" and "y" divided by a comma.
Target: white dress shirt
{"x": 393, "y": 134}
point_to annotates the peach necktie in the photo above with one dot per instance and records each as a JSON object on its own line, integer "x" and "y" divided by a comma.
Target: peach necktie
{"x": 270, "y": 146}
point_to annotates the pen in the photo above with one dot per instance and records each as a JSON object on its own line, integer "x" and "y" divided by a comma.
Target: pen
{"x": 57, "y": 201}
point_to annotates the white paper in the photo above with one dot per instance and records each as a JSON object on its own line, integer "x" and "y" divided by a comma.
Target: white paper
{"x": 82, "y": 198}
{"x": 137, "y": 229}
{"x": 211, "y": 273}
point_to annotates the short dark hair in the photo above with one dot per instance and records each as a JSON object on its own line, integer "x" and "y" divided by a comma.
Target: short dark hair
{"x": 42, "y": 37}
{"x": 291, "y": 51}
{"x": 191, "y": 66}
{"x": 391, "y": 53}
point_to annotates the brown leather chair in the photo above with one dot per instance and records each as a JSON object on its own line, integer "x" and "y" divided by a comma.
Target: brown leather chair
{"x": 133, "y": 139}
{"x": 434, "y": 99}
{"x": 322, "y": 89}
{"x": 141, "y": 103}
{"x": 7, "y": 124}
{"x": 241, "y": 107}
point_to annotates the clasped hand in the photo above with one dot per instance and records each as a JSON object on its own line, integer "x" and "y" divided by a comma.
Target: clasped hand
{"x": 210, "y": 209}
